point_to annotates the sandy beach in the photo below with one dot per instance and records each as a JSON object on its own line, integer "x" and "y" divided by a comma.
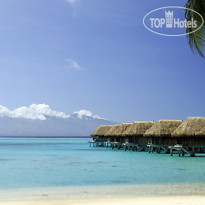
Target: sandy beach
{"x": 193, "y": 200}
{"x": 183, "y": 194}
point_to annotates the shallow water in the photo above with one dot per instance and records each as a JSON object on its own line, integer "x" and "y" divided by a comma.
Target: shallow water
{"x": 30, "y": 163}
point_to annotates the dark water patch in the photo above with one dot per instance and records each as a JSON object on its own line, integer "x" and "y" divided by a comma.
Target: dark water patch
{"x": 75, "y": 163}
{"x": 119, "y": 181}
{"x": 86, "y": 163}
{"x": 101, "y": 162}
{"x": 5, "y": 160}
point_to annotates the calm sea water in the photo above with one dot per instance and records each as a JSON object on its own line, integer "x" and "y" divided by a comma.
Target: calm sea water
{"x": 27, "y": 163}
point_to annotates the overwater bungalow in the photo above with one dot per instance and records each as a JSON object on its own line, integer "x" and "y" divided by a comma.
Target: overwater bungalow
{"x": 190, "y": 136}
{"x": 115, "y": 135}
{"x": 159, "y": 135}
{"x": 99, "y": 138}
{"x": 134, "y": 139}
{"x": 111, "y": 134}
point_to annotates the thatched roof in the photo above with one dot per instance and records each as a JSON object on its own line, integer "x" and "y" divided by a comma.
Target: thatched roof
{"x": 137, "y": 128}
{"x": 192, "y": 126}
{"x": 93, "y": 134}
{"x": 112, "y": 131}
{"x": 122, "y": 128}
{"x": 117, "y": 130}
{"x": 101, "y": 130}
{"x": 163, "y": 128}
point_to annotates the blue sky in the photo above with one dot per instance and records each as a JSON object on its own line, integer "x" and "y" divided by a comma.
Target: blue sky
{"x": 97, "y": 55}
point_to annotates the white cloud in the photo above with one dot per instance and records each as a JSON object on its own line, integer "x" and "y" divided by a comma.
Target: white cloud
{"x": 87, "y": 113}
{"x": 71, "y": 64}
{"x": 41, "y": 112}
{"x": 34, "y": 111}
{"x": 4, "y": 111}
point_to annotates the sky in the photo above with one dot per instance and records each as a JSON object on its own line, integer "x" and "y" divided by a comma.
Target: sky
{"x": 96, "y": 55}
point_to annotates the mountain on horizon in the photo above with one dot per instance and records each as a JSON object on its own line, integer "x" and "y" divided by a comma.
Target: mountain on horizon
{"x": 40, "y": 120}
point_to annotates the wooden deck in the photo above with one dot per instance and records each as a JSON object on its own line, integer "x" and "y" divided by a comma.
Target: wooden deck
{"x": 133, "y": 147}
{"x": 180, "y": 150}
{"x": 158, "y": 148}
{"x": 190, "y": 150}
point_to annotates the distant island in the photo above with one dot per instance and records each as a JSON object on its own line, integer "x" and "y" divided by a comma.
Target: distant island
{"x": 40, "y": 121}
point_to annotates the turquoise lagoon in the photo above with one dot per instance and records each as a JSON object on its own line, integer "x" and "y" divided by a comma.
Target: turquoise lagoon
{"x": 53, "y": 162}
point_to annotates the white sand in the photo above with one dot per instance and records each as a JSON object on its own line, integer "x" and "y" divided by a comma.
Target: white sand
{"x": 131, "y": 201}
{"x": 169, "y": 194}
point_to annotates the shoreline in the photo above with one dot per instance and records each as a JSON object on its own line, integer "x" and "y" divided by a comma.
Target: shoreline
{"x": 189, "y": 193}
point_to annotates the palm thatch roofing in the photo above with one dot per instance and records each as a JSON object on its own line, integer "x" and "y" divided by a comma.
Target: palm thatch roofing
{"x": 137, "y": 128}
{"x": 117, "y": 130}
{"x": 163, "y": 128}
{"x": 101, "y": 130}
{"x": 122, "y": 128}
{"x": 192, "y": 126}
{"x": 112, "y": 131}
